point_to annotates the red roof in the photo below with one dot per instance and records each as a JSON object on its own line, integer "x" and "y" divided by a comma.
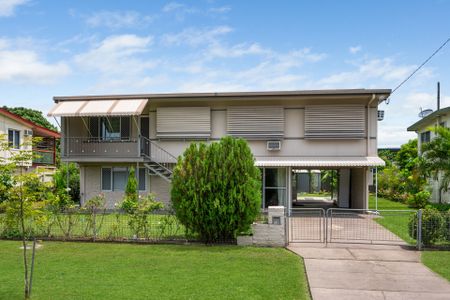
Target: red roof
{"x": 37, "y": 129}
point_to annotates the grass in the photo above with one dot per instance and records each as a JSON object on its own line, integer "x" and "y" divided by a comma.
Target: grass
{"x": 109, "y": 226}
{"x": 130, "y": 271}
{"x": 396, "y": 222}
{"x": 438, "y": 261}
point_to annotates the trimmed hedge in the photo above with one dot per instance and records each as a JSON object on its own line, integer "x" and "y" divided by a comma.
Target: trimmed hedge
{"x": 216, "y": 189}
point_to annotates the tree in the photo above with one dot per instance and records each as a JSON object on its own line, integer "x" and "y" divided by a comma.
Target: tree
{"x": 406, "y": 158}
{"x": 216, "y": 189}
{"x": 32, "y": 115}
{"x": 24, "y": 197}
{"x": 436, "y": 158}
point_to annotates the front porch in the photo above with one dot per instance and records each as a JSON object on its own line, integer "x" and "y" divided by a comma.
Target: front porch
{"x": 312, "y": 183}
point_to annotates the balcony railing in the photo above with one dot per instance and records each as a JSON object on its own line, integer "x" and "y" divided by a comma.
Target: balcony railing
{"x": 46, "y": 157}
{"x": 157, "y": 154}
{"x": 95, "y": 147}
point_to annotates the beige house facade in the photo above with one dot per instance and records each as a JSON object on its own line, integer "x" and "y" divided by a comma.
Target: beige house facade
{"x": 287, "y": 131}
{"x": 440, "y": 117}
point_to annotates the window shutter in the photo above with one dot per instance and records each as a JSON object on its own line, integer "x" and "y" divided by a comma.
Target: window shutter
{"x": 335, "y": 122}
{"x": 183, "y": 122}
{"x": 255, "y": 121}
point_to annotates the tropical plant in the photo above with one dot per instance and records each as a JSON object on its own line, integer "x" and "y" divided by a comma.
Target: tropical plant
{"x": 436, "y": 158}
{"x": 419, "y": 199}
{"x": 216, "y": 189}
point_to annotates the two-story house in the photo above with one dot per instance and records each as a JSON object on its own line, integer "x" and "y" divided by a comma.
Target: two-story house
{"x": 440, "y": 117}
{"x": 287, "y": 131}
{"x": 17, "y": 130}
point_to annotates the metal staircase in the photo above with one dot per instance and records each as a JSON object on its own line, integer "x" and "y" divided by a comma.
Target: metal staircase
{"x": 158, "y": 160}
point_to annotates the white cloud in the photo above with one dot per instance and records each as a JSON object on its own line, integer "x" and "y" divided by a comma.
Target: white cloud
{"x": 25, "y": 65}
{"x": 220, "y": 10}
{"x": 7, "y": 7}
{"x": 384, "y": 69}
{"x": 118, "y": 54}
{"x": 354, "y": 49}
{"x": 180, "y": 10}
{"x": 117, "y": 19}
{"x": 238, "y": 50}
{"x": 195, "y": 37}
{"x": 393, "y": 135}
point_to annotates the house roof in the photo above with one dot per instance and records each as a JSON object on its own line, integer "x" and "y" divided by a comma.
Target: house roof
{"x": 37, "y": 129}
{"x": 331, "y": 92}
{"x": 425, "y": 120}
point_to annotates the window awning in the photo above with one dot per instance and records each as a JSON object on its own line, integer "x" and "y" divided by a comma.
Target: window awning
{"x": 98, "y": 108}
{"x": 319, "y": 162}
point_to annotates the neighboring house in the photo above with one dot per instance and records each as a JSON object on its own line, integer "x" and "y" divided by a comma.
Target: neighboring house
{"x": 286, "y": 131}
{"x": 423, "y": 127}
{"x": 18, "y": 130}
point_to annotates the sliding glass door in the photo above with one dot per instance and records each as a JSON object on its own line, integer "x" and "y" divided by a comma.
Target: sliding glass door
{"x": 274, "y": 187}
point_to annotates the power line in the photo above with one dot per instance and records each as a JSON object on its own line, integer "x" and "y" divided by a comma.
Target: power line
{"x": 419, "y": 67}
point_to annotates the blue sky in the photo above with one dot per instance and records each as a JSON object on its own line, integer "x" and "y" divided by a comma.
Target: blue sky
{"x": 50, "y": 48}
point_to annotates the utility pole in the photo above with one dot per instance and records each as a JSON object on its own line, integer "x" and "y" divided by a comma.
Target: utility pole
{"x": 438, "y": 95}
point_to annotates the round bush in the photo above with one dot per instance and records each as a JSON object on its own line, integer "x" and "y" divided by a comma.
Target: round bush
{"x": 432, "y": 222}
{"x": 216, "y": 189}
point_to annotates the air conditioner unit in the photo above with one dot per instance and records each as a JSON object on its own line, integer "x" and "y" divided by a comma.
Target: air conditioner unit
{"x": 380, "y": 115}
{"x": 273, "y": 145}
{"x": 28, "y": 132}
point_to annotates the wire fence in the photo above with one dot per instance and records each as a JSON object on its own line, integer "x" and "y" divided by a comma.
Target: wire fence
{"x": 432, "y": 228}
{"x": 100, "y": 226}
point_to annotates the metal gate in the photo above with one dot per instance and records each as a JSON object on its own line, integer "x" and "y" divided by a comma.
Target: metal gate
{"x": 338, "y": 225}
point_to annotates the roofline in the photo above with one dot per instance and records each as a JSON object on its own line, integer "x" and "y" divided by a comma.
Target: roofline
{"x": 34, "y": 126}
{"x": 340, "y": 92}
{"x": 435, "y": 114}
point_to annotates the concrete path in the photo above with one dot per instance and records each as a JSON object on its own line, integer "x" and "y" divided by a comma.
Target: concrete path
{"x": 369, "y": 272}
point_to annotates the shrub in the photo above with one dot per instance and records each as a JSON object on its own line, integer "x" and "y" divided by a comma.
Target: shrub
{"x": 216, "y": 189}
{"x": 71, "y": 171}
{"x": 432, "y": 222}
{"x": 130, "y": 200}
{"x": 138, "y": 215}
{"x": 419, "y": 200}
{"x": 446, "y": 226}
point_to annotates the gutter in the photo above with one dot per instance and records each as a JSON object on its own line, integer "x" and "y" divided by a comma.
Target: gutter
{"x": 368, "y": 123}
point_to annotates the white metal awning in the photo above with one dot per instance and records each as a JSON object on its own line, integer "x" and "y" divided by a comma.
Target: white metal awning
{"x": 98, "y": 108}
{"x": 319, "y": 162}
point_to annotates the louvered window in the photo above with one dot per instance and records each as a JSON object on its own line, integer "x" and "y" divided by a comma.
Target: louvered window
{"x": 335, "y": 122}
{"x": 183, "y": 122}
{"x": 255, "y": 121}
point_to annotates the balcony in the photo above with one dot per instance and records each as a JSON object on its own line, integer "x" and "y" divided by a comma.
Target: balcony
{"x": 43, "y": 157}
{"x": 101, "y": 149}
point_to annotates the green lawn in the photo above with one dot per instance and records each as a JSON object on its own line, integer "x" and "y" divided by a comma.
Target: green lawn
{"x": 129, "y": 271}
{"x": 396, "y": 222}
{"x": 438, "y": 261}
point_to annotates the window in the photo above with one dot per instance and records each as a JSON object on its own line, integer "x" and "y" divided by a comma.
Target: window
{"x": 274, "y": 182}
{"x": 110, "y": 128}
{"x": 14, "y": 138}
{"x": 425, "y": 137}
{"x": 442, "y": 124}
{"x": 141, "y": 179}
{"x": 115, "y": 179}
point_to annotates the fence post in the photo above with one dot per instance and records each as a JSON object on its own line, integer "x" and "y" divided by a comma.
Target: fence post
{"x": 419, "y": 229}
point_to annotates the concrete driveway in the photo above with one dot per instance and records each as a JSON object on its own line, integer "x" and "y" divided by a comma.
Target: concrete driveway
{"x": 352, "y": 271}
